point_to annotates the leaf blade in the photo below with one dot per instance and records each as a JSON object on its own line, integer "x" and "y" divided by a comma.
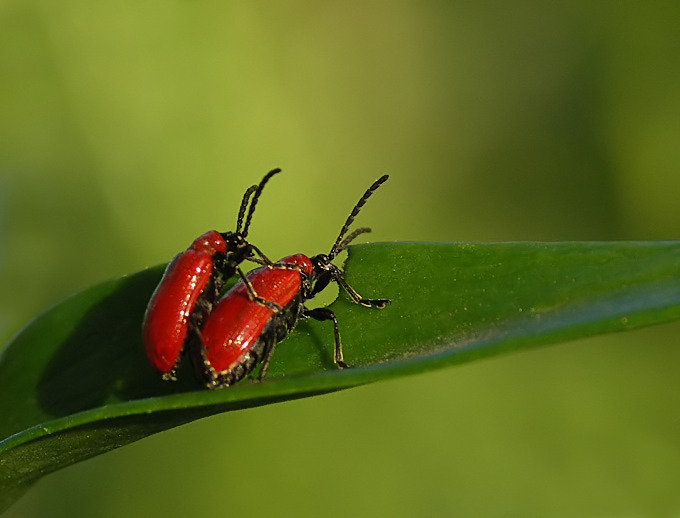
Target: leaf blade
{"x": 69, "y": 392}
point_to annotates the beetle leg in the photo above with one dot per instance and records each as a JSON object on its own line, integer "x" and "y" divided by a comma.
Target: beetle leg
{"x": 327, "y": 314}
{"x": 287, "y": 266}
{"x": 268, "y": 353}
{"x": 358, "y": 299}
{"x": 257, "y": 261}
{"x": 203, "y": 306}
{"x": 275, "y": 266}
{"x": 254, "y": 296}
{"x": 171, "y": 375}
{"x": 202, "y": 367}
{"x": 264, "y": 260}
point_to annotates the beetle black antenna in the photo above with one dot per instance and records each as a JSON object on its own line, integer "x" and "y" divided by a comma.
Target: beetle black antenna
{"x": 244, "y": 205}
{"x": 350, "y": 238}
{"x": 337, "y": 245}
{"x": 256, "y": 197}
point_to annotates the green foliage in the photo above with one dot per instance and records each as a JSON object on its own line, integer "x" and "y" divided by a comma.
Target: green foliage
{"x": 75, "y": 382}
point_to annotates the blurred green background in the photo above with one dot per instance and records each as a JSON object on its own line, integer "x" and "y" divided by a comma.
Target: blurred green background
{"x": 129, "y": 128}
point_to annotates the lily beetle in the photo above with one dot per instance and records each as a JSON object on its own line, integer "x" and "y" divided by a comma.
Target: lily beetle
{"x": 241, "y": 332}
{"x": 192, "y": 282}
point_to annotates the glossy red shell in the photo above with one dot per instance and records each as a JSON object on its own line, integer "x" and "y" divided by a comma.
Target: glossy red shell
{"x": 237, "y": 322}
{"x": 210, "y": 242}
{"x": 167, "y": 316}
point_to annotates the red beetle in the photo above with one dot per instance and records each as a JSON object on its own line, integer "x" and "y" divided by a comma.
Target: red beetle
{"x": 241, "y": 332}
{"x": 191, "y": 284}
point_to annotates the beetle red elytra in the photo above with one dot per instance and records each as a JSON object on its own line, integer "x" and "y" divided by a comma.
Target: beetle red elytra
{"x": 240, "y": 333}
{"x": 192, "y": 282}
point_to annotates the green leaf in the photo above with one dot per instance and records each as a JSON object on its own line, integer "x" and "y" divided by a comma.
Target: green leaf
{"x": 75, "y": 383}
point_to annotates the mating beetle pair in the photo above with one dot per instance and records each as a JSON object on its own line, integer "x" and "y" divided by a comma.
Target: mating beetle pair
{"x": 191, "y": 284}
{"x": 231, "y": 336}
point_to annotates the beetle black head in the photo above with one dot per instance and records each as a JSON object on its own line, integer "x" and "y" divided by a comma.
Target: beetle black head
{"x": 324, "y": 272}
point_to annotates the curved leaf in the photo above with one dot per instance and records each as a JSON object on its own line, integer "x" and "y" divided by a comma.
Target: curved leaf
{"x": 75, "y": 383}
